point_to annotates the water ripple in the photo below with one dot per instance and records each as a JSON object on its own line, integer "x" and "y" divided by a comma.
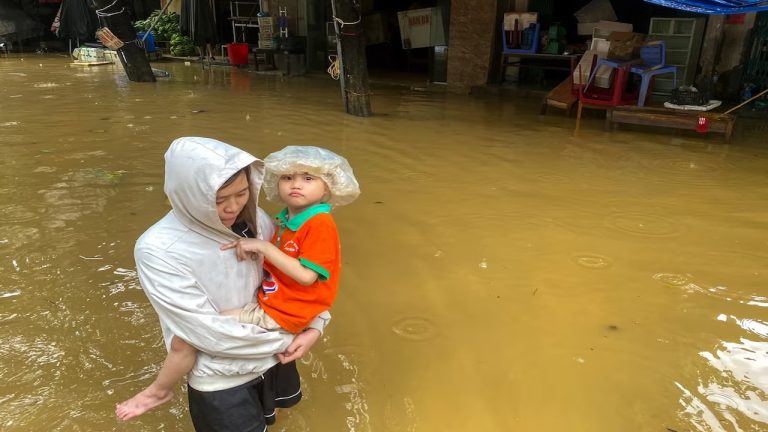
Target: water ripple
{"x": 643, "y": 224}
{"x": 16, "y": 213}
{"x": 17, "y": 235}
{"x": 592, "y": 261}
{"x": 673, "y": 279}
{"x": 756, "y": 327}
{"x": 722, "y": 401}
{"x": 415, "y": 328}
{"x": 696, "y": 169}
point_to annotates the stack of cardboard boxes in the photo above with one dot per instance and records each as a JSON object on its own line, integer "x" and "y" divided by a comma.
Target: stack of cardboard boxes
{"x": 610, "y": 39}
{"x": 266, "y": 32}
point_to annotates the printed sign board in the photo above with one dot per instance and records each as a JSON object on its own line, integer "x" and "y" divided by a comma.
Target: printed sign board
{"x": 421, "y": 28}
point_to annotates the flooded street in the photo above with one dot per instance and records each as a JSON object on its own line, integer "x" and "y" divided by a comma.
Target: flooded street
{"x": 499, "y": 274}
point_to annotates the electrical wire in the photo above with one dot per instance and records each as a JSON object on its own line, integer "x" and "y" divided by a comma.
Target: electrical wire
{"x": 101, "y": 13}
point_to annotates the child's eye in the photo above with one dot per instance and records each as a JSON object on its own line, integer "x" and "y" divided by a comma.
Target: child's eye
{"x": 285, "y": 177}
{"x": 309, "y": 178}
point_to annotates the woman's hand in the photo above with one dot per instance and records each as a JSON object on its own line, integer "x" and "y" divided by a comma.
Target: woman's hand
{"x": 301, "y": 344}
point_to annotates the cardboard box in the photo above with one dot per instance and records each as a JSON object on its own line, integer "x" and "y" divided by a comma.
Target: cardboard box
{"x": 600, "y": 45}
{"x": 602, "y": 74}
{"x": 595, "y": 11}
{"x": 584, "y": 29}
{"x": 603, "y": 29}
{"x": 625, "y": 45}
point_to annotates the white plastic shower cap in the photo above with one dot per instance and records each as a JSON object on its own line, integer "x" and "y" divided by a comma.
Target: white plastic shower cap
{"x": 329, "y": 166}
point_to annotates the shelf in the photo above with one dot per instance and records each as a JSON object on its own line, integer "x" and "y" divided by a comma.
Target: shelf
{"x": 243, "y": 15}
{"x": 682, "y": 38}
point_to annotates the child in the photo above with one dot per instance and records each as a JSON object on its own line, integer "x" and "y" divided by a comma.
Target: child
{"x": 302, "y": 262}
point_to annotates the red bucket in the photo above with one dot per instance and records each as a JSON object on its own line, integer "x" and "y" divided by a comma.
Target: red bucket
{"x": 237, "y": 53}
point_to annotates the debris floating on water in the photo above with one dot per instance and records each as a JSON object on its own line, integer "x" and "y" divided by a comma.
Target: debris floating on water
{"x": 97, "y": 257}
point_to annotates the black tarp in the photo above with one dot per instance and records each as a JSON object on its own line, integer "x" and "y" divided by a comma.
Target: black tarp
{"x": 78, "y": 20}
{"x": 198, "y": 21}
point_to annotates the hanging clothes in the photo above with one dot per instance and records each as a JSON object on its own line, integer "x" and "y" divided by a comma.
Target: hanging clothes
{"x": 77, "y": 21}
{"x": 198, "y": 21}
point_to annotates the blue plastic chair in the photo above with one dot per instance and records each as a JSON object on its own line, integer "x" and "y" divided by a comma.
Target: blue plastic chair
{"x": 653, "y": 59}
{"x": 531, "y": 49}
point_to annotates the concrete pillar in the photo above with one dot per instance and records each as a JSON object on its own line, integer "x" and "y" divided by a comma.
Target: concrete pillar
{"x": 472, "y": 32}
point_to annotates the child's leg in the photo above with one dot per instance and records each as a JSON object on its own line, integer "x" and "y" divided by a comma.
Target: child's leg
{"x": 252, "y": 313}
{"x": 232, "y": 312}
{"x": 179, "y": 361}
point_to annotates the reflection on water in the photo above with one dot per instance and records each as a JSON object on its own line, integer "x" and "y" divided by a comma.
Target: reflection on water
{"x": 734, "y": 397}
{"x": 500, "y": 275}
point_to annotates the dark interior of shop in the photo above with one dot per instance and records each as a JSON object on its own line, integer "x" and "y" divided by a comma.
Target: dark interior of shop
{"x": 385, "y": 51}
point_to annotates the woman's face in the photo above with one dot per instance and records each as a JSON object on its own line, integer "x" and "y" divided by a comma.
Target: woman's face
{"x": 231, "y": 199}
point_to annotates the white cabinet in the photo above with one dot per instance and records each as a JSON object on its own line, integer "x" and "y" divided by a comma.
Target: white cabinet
{"x": 682, "y": 37}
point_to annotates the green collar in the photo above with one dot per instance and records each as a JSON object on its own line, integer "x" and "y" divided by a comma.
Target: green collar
{"x": 297, "y": 221}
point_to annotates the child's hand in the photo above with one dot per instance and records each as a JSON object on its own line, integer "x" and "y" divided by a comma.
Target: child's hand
{"x": 245, "y": 248}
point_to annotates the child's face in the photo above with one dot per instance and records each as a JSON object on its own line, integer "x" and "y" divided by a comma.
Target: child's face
{"x": 231, "y": 199}
{"x": 301, "y": 190}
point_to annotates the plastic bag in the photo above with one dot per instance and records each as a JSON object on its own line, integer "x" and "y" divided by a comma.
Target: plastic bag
{"x": 332, "y": 168}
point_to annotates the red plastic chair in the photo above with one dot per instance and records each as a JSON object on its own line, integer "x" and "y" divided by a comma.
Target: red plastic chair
{"x": 598, "y": 98}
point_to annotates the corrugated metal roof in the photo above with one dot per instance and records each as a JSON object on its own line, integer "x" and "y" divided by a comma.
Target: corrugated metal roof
{"x": 714, "y": 7}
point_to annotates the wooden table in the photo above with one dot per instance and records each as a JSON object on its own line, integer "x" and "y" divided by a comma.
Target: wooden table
{"x": 671, "y": 118}
{"x": 543, "y": 61}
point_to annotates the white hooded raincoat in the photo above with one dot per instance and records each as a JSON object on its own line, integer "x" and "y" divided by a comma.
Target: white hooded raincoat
{"x": 189, "y": 280}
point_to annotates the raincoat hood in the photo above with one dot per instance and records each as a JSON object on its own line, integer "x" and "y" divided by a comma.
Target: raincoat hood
{"x": 195, "y": 169}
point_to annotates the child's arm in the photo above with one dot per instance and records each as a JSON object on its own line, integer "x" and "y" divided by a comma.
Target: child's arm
{"x": 286, "y": 264}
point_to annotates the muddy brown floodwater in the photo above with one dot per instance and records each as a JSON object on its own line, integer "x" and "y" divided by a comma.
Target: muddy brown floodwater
{"x": 499, "y": 274}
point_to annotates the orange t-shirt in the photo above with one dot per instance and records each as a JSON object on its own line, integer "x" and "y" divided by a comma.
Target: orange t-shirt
{"x": 312, "y": 238}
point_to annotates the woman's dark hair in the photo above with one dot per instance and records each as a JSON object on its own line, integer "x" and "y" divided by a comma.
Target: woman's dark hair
{"x": 246, "y": 170}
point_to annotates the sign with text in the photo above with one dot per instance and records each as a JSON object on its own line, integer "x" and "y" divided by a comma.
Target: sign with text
{"x": 421, "y": 28}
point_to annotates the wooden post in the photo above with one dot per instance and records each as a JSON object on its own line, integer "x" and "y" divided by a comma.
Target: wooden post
{"x": 710, "y": 49}
{"x": 114, "y": 16}
{"x": 353, "y": 64}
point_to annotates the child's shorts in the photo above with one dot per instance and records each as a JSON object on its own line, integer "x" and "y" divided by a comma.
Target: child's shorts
{"x": 252, "y": 313}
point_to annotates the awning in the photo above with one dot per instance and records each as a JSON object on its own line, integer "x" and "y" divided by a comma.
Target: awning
{"x": 714, "y": 7}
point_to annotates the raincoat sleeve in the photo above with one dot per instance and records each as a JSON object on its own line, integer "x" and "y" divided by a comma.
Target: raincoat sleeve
{"x": 185, "y": 311}
{"x": 320, "y": 321}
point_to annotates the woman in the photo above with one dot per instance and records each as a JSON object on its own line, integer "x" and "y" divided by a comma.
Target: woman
{"x": 189, "y": 280}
